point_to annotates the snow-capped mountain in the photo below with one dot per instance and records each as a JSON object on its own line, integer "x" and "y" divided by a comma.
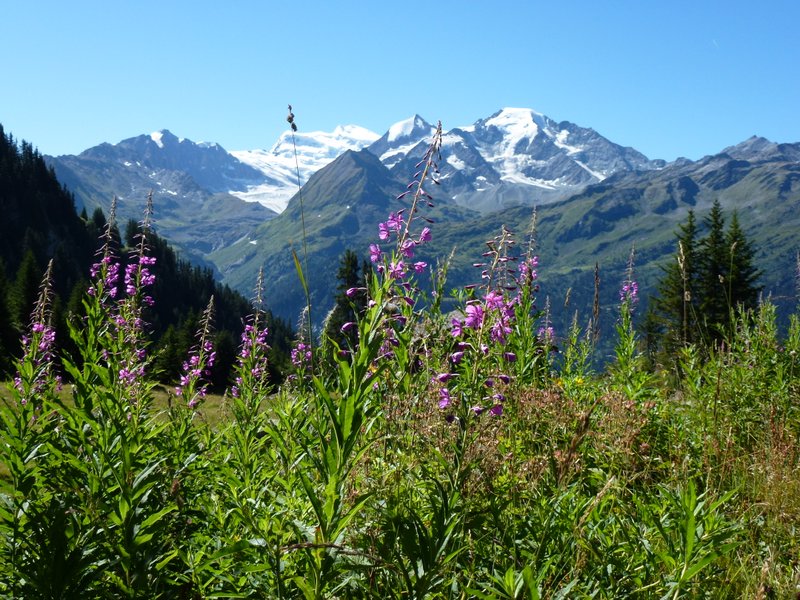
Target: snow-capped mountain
{"x": 279, "y": 167}
{"x": 516, "y": 156}
{"x": 401, "y": 139}
{"x": 519, "y": 156}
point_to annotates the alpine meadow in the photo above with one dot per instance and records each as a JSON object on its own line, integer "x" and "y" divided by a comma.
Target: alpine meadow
{"x": 510, "y": 360}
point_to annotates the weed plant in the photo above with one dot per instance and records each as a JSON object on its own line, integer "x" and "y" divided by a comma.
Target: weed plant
{"x": 465, "y": 455}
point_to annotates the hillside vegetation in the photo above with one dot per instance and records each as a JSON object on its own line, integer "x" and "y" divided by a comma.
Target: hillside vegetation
{"x": 437, "y": 454}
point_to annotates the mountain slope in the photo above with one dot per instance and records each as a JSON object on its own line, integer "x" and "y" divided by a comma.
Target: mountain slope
{"x": 602, "y": 223}
{"x": 341, "y": 206}
{"x": 188, "y": 181}
{"x": 280, "y": 167}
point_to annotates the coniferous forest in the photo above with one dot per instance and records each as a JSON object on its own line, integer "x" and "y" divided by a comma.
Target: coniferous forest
{"x": 411, "y": 452}
{"x": 40, "y": 223}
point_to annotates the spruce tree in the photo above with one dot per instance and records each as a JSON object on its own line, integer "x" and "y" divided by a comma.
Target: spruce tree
{"x": 9, "y": 340}
{"x": 676, "y": 306}
{"x": 346, "y": 307}
{"x": 25, "y": 290}
{"x": 743, "y": 289}
{"x": 714, "y": 260}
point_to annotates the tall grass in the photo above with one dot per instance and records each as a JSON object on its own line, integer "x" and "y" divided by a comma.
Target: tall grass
{"x": 466, "y": 455}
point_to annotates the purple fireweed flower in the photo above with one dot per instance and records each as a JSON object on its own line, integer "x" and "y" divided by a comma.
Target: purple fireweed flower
{"x": 474, "y": 316}
{"x": 494, "y": 300}
{"x": 383, "y": 231}
{"x": 629, "y": 292}
{"x": 546, "y": 334}
{"x": 354, "y": 291}
{"x": 425, "y": 235}
{"x": 499, "y": 332}
{"x": 457, "y": 328}
{"x": 443, "y": 377}
{"x": 420, "y": 266}
{"x": 510, "y": 356}
{"x": 407, "y": 249}
{"x": 444, "y": 398}
{"x": 347, "y": 326}
{"x": 456, "y": 357}
{"x": 397, "y": 269}
{"x": 374, "y": 252}
{"x": 395, "y": 222}
{"x": 496, "y": 410}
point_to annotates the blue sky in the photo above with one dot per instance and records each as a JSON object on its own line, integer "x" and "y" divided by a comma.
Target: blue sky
{"x": 676, "y": 78}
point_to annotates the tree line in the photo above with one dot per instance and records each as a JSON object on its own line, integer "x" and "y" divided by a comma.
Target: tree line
{"x": 40, "y": 223}
{"x": 708, "y": 279}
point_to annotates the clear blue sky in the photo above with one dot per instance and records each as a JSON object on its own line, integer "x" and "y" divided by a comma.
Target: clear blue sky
{"x": 670, "y": 78}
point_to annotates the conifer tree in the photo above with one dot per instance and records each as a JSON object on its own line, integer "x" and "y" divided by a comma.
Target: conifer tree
{"x": 676, "y": 306}
{"x": 742, "y": 274}
{"x": 8, "y": 336}
{"x": 346, "y": 307}
{"x": 714, "y": 258}
{"x": 25, "y": 290}
{"x": 704, "y": 282}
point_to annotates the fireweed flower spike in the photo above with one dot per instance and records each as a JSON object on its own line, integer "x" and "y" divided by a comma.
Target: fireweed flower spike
{"x": 128, "y": 315}
{"x": 252, "y": 364}
{"x": 34, "y": 370}
{"x": 197, "y": 367}
{"x": 629, "y": 292}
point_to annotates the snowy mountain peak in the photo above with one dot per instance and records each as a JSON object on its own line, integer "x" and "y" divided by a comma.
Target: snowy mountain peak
{"x": 400, "y": 139}
{"x": 315, "y": 149}
{"x": 406, "y": 128}
{"x": 157, "y": 137}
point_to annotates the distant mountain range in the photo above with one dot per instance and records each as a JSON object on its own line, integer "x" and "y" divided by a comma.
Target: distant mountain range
{"x": 240, "y": 210}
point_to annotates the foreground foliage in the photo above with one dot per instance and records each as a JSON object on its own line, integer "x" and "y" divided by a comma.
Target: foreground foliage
{"x": 432, "y": 456}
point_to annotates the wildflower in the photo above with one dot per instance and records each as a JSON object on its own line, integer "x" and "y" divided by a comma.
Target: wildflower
{"x": 545, "y": 334}
{"x": 474, "y": 317}
{"x": 420, "y": 266}
{"x": 494, "y": 300}
{"x": 354, "y": 291}
{"x": 457, "y": 328}
{"x": 444, "y": 398}
{"x": 425, "y": 235}
{"x": 629, "y": 292}
{"x": 397, "y": 269}
{"x": 374, "y": 252}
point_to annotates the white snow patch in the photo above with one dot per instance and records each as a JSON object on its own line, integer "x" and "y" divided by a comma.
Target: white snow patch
{"x": 315, "y": 149}
{"x": 600, "y": 176}
{"x": 401, "y": 129}
{"x": 456, "y": 162}
{"x": 253, "y": 242}
{"x": 560, "y": 140}
{"x": 156, "y": 137}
